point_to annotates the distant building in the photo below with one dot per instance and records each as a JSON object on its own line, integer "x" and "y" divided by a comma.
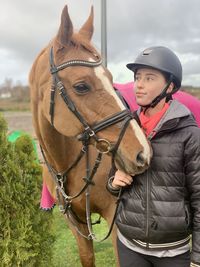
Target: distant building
{"x": 4, "y": 95}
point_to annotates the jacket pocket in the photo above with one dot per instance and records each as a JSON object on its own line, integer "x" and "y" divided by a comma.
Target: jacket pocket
{"x": 188, "y": 219}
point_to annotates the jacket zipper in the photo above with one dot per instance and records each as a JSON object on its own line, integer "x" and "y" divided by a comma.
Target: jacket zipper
{"x": 147, "y": 210}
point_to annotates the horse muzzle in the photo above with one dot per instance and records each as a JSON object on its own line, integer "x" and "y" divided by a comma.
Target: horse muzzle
{"x": 132, "y": 167}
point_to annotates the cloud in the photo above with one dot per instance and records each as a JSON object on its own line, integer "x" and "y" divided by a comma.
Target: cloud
{"x": 28, "y": 26}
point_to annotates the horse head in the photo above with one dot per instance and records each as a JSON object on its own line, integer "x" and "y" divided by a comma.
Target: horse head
{"x": 82, "y": 96}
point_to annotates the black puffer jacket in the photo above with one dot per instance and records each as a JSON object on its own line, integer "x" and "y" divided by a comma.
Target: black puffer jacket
{"x": 162, "y": 206}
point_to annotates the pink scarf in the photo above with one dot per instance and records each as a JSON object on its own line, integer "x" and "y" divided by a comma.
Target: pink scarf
{"x": 149, "y": 123}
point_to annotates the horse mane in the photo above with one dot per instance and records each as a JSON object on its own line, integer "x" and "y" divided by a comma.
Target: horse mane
{"x": 33, "y": 68}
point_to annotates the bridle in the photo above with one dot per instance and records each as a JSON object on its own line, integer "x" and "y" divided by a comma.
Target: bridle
{"x": 57, "y": 84}
{"x": 103, "y": 146}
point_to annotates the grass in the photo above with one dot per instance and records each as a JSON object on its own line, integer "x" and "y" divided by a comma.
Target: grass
{"x": 12, "y": 105}
{"x": 65, "y": 253}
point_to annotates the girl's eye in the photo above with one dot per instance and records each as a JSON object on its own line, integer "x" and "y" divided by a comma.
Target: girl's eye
{"x": 150, "y": 78}
{"x": 81, "y": 88}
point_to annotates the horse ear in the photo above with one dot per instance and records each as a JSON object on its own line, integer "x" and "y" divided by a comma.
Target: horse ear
{"x": 88, "y": 28}
{"x": 66, "y": 28}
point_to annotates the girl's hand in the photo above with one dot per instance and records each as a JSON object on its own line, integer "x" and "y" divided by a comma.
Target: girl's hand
{"x": 121, "y": 179}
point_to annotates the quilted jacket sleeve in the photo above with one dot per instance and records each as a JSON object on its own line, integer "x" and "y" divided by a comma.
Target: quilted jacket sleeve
{"x": 111, "y": 189}
{"x": 192, "y": 171}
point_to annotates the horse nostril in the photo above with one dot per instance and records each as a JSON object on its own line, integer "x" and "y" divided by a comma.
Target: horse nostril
{"x": 140, "y": 159}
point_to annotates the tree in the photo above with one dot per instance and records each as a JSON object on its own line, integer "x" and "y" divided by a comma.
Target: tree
{"x": 26, "y": 238}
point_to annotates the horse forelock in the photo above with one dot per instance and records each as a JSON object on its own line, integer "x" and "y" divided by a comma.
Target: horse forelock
{"x": 76, "y": 43}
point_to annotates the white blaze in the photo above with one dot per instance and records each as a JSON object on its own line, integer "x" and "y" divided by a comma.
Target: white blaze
{"x": 100, "y": 73}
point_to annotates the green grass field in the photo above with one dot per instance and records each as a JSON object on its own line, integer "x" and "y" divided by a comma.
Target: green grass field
{"x": 65, "y": 249}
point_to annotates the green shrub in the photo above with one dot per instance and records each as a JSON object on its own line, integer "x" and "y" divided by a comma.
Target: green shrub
{"x": 26, "y": 238}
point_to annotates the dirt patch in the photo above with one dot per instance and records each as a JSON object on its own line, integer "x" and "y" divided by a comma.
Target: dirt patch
{"x": 21, "y": 121}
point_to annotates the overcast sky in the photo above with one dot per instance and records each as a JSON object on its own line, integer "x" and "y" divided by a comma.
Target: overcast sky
{"x": 132, "y": 25}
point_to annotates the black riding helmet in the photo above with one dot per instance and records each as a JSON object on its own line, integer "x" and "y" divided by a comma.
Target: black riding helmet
{"x": 163, "y": 59}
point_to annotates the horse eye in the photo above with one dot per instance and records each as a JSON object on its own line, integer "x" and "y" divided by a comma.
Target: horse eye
{"x": 81, "y": 88}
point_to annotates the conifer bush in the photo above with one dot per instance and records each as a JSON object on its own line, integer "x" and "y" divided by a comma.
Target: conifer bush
{"x": 26, "y": 238}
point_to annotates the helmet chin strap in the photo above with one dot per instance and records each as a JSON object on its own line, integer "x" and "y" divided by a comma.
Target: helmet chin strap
{"x": 158, "y": 98}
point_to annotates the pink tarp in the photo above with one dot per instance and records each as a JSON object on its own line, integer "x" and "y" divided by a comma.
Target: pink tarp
{"x": 127, "y": 91}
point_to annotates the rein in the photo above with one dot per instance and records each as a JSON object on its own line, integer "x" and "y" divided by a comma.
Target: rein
{"x": 103, "y": 146}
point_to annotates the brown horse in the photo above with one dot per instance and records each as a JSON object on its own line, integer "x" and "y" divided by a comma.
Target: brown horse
{"x": 72, "y": 99}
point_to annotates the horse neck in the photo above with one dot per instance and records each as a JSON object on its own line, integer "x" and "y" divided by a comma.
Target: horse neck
{"x": 60, "y": 150}
{"x": 66, "y": 152}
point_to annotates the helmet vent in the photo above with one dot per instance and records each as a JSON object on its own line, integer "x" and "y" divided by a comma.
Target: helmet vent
{"x": 147, "y": 51}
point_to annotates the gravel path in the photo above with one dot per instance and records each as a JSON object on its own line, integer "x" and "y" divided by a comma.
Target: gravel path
{"x": 19, "y": 121}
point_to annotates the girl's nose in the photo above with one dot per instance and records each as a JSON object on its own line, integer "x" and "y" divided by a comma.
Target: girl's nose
{"x": 139, "y": 83}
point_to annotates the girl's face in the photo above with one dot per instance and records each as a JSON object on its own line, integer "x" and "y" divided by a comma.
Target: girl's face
{"x": 149, "y": 83}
